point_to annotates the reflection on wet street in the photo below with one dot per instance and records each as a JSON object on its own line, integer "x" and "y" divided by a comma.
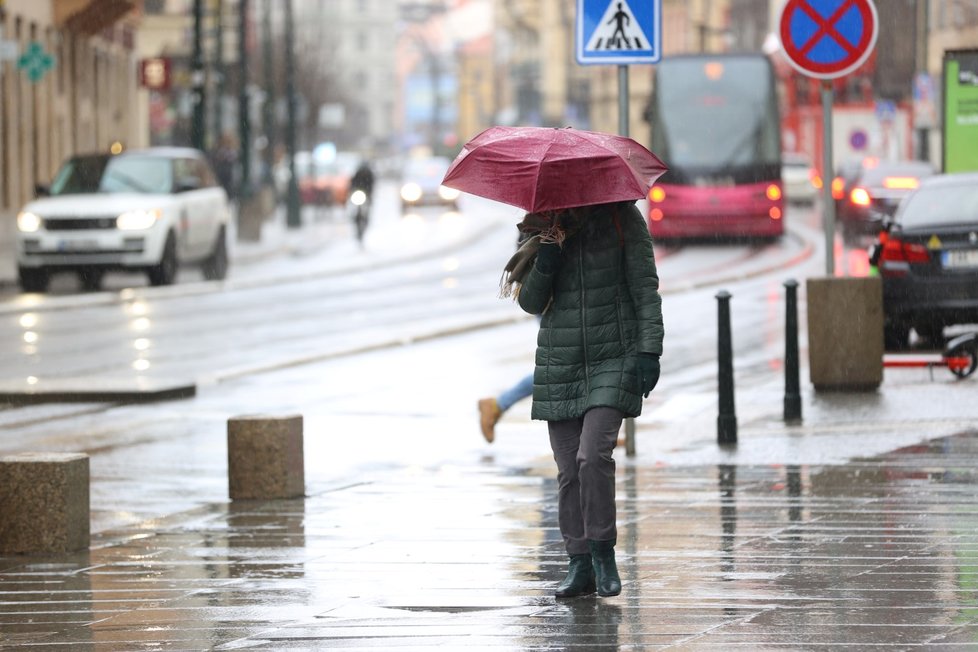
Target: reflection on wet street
{"x": 877, "y": 551}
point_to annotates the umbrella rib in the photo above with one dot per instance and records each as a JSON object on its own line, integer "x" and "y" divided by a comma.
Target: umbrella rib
{"x": 536, "y": 181}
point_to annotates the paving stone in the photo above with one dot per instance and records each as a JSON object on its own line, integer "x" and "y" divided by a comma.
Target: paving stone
{"x": 816, "y": 557}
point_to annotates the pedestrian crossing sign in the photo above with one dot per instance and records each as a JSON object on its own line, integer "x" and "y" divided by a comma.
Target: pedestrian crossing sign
{"x": 618, "y": 31}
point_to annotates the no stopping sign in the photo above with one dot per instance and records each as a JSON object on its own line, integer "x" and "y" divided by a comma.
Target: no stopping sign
{"x": 827, "y": 39}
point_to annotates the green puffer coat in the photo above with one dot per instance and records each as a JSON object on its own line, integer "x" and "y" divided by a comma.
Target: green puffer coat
{"x": 605, "y": 309}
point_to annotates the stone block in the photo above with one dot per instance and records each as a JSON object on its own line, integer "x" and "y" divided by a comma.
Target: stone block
{"x": 265, "y": 459}
{"x": 44, "y": 502}
{"x": 845, "y": 333}
{"x": 251, "y": 216}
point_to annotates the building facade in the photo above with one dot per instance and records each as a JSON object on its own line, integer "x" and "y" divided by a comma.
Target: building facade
{"x": 70, "y": 89}
{"x": 355, "y": 40}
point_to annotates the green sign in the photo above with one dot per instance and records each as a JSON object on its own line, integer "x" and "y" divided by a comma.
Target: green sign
{"x": 35, "y": 62}
{"x": 961, "y": 111}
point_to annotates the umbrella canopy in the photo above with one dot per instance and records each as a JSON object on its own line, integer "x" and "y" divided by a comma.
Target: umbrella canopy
{"x": 545, "y": 169}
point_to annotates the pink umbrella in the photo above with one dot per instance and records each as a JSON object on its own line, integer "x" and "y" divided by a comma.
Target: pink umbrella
{"x": 544, "y": 169}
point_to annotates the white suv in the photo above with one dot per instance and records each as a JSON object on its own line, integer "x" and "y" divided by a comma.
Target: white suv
{"x": 149, "y": 210}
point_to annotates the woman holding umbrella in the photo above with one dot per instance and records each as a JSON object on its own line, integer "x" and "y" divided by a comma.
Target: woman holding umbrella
{"x": 589, "y": 270}
{"x": 597, "y": 354}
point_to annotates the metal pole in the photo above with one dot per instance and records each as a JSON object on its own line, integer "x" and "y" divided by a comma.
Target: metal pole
{"x": 244, "y": 106}
{"x": 3, "y": 155}
{"x": 198, "y": 134}
{"x": 268, "y": 109}
{"x": 828, "y": 204}
{"x": 792, "y": 385}
{"x": 623, "y": 131}
{"x": 219, "y": 72}
{"x": 622, "y": 100}
{"x": 293, "y": 217}
{"x": 922, "y": 51}
{"x": 727, "y": 418}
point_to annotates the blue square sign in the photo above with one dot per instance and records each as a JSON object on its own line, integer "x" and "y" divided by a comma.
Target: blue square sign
{"x": 618, "y": 31}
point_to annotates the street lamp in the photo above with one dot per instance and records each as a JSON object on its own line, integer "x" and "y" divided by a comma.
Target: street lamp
{"x": 244, "y": 108}
{"x": 293, "y": 217}
{"x": 198, "y": 135}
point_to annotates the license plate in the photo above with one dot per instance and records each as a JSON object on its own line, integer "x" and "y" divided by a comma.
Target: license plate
{"x": 78, "y": 245}
{"x": 960, "y": 258}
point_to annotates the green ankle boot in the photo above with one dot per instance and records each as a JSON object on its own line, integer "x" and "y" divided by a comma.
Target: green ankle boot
{"x": 605, "y": 570}
{"x": 580, "y": 578}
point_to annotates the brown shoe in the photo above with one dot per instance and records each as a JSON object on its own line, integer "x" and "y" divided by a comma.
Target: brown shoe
{"x": 488, "y": 416}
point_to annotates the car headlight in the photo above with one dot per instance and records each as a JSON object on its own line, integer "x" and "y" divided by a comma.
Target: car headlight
{"x": 358, "y": 198}
{"x": 28, "y": 222}
{"x": 448, "y": 194}
{"x": 138, "y": 220}
{"x": 411, "y": 192}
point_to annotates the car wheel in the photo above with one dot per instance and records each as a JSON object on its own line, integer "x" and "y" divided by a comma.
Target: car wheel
{"x": 215, "y": 268}
{"x": 165, "y": 272}
{"x": 33, "y": 280}
{"x": 91, "y": 279}
{"x": 895, "y": 336}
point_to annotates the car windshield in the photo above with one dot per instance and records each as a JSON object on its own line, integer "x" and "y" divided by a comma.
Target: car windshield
{"x": 943, "y": 204}
{"x": 880, "y": 174}
{"x": 114, "y": 175}
{"x": 427, "y": 168}
{"x": 796, "y": 161}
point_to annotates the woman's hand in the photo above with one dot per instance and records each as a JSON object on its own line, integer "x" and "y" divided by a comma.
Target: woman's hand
{"x": 648, "y": 369}
{"x": 547, "y": 257}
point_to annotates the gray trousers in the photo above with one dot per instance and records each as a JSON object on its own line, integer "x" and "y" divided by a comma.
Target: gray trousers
{"x": 583, "y": 450}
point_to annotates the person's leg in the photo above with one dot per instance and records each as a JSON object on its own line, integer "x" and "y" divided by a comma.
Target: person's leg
{"x": 491, "y": 409}
{"x": 596, "y": 469}
{"x": 596, "y": 466}
{"x": 565, "y": 439}
{"x": 517, "y": 392}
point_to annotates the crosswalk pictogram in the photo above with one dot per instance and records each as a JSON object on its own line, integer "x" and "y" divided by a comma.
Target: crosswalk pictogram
{"x": 610, "y": 31}
{"x": 618, "y": 30}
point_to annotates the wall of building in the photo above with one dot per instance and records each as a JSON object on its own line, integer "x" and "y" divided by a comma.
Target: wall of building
{"x": 82, "y": 104}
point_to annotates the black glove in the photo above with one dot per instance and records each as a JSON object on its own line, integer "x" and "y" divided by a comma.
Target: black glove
{"x": 547, "y": 257}
{"x": 648, "y": 371}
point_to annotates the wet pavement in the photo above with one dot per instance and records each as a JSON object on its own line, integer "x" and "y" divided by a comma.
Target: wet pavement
{"x": 854, "y": 530}
{"x": 873, "y": 553}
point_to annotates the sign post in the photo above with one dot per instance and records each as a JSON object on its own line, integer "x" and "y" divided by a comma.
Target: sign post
{"x": 9, "y": 51}
{"x": 611, "y": 32}
{"x": 828, "y": 39}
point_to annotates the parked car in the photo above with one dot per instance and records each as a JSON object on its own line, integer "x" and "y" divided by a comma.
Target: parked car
{"x": 422, "y": 183}
{"x": 872, "y": 191}
{"x": 151, "y": 211}
{"x": 928, "y": 260}
{"x": 800, "y": 178}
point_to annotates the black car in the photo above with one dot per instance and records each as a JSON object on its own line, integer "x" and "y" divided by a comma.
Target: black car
{"x": 871, "y": 192}
{"x": 928, "y": 260}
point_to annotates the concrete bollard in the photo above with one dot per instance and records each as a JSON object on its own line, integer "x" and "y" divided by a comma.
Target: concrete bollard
{"x": 265, "y": 457}
{"x": 44, "y": 498}
{"x": 845, "y": 333}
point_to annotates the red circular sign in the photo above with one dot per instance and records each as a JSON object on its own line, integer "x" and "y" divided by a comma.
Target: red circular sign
{"x": 828, "y": 38}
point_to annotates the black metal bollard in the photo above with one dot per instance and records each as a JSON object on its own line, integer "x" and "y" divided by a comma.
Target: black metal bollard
{"x": 727, "y": 419}
{"x": 792, "y": 386}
